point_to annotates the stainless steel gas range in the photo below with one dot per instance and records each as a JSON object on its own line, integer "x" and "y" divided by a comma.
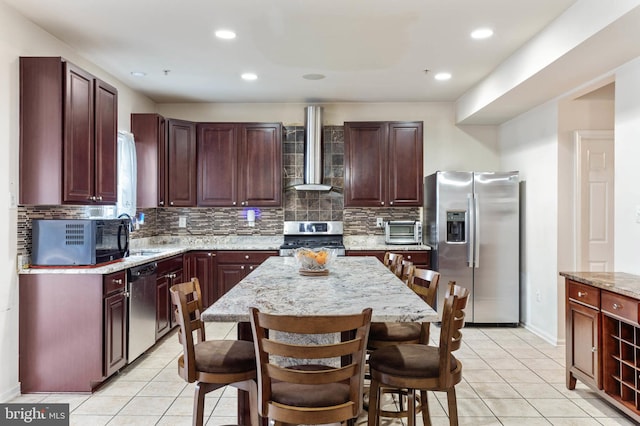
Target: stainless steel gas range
{"x": 312, "y": 235}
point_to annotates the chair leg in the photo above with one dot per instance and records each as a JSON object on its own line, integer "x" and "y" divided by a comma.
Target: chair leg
{"x": 424, "y": 408}
{"x": 374, "y": 391}
{"x": 411, "y": 407}
{"x": 453, "y": 406}
{"x": 198, "y": 401}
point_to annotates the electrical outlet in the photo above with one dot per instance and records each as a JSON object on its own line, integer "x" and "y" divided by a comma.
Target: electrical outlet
{"x": 182, "y": 222}
{"x": 379, "y": 222}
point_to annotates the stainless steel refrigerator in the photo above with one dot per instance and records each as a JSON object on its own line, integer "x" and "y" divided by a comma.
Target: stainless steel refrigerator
{"x": 472, "y": 223}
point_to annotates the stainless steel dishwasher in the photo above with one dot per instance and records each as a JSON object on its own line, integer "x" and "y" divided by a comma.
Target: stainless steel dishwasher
{"x": 142, "y": 309}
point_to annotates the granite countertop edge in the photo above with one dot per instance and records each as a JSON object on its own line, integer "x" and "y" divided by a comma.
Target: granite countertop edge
{"x": 617, "y": 282}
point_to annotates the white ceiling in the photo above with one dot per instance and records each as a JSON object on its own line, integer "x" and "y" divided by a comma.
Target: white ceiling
{"x": 369, "y": 50}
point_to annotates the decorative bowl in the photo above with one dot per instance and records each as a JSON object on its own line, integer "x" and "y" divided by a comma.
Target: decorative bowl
{"x": 314, "y": 260}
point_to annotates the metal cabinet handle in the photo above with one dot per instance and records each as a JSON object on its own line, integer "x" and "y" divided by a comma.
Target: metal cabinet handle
{"x": 234, "y": 203}
{"x": 594, "y": 349}
{"x": 382, "y": 203}
{"x": 582, "y": 293}
{"x": 118, "y": 281}
{"x": 242, "y": 267}
{"x": 209, "y": 254}
{"x": 409, "y": 257}
{"x": 246, "y": 256}
{"x": 251, "y": 268}
{"x": 171, "y": 203}
{"x": 161, "y": 203}
{"x": 390, "y": 203}
{"x": 99, "y": 197}
{"x": 616, "y": 306}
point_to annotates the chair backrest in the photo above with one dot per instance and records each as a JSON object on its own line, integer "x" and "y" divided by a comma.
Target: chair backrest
{"x": 452, "y": 321}
{"x": 407, "y": 269}
{"x": 429, "y": 291}
{"x": 187, "y": 300}
{"x": 393, "y": 261}
{"x": 275, "y": 338}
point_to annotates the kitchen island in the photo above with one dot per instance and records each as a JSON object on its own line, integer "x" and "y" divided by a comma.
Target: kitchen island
{"x": 353, "y": 283}
{"x": 603, "y": 336}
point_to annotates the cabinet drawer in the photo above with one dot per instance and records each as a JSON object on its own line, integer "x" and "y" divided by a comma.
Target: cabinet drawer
{"x": 620, "y": 306}
{"x": 417, "y": 257}
{"x": 115, "y": 282}
{"x": 169, "y": 265}
{"x": 244, "y": 256}
{"x": 584, "y": 294}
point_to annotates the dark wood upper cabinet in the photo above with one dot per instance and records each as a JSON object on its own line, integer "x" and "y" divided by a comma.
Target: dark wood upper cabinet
{"x": 150, "y": 134}
{"x": 68, "y": 134}
{"x": 239, "y": 164}
{"x": 383, "y": 164}
{"x": 181, "y": 163}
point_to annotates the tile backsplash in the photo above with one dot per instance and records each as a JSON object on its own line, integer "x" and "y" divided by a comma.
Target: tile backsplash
{"x": 297, "y": 205}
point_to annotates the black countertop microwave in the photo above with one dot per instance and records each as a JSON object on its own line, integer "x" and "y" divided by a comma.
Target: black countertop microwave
{"x": 79, "y": 242}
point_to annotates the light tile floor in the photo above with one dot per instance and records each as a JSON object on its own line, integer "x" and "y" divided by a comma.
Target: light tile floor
{"x": 510, "y": 377}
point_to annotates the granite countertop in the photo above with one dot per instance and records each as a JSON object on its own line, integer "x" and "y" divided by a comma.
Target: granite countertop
{"x": 353, "y": 283}
{"x": 164, "y": 247}
{"x": 616, "y": 282}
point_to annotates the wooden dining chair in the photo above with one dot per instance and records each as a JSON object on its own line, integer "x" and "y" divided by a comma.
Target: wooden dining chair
{"x": 300, "y": 388}
{"x": 393, "y": 261}
{"x": 424, "y": 283}
{"x": 406, "y": 271}
{"x": 422, "y": 367}
{"x": 210, "y": 363}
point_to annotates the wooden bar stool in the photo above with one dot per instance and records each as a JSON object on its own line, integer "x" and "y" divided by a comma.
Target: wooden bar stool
{"x": 212, "y": 364}
{"x": 422, "y": 367}
{"x": 393, "y": 261}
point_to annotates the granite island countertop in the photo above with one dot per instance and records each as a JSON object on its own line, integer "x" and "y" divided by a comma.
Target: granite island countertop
{"x": 616, "y": 282}
{"x": 353, "y": 283}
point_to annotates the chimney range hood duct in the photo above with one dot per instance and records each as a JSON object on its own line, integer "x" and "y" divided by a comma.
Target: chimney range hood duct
{"x": 313, "y": 151}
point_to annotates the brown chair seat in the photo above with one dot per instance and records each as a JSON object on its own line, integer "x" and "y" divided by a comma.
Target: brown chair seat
{"x": 395, "y": 331}
{"x": 225, "y": 356}
{"x": 300, "y": 395}
{"x": 409, "y": 360}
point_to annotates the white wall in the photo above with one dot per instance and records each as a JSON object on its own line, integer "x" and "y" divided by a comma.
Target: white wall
{"x": 627, "y": 177}
{"x": 529, "y": 143}
{"x": 19, "y": 37}
{"x": 447, "y": 147}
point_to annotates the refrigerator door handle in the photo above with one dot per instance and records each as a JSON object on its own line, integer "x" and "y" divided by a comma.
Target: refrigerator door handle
{"x": 469, "y": 226}
{"x": 476, "y": 236}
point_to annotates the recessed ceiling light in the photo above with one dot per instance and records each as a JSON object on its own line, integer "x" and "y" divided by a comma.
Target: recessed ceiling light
{"x": 138, "y": 73}
{"x": 482, "y": 33}
{"x": 313, "y": 76}
{"x": 442, "y": 76}
{"x": 249, "y": 76}
{"x": 225, "y": 34}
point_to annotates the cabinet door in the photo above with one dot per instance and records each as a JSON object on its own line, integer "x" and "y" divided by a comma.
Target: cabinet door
{"x": 106, "y": 152}
{"x": 79, "y": 154}
{"x": 150, "y": 131}
{"x": 365, "y": 160}
{"x": 163, "y": 306}
{"x": 217, "y": 164}
{"x": 181, "y": 160}
{"x": 201, "y": 264}
{"x": 405, "y": 164}
{"x": 115, "y": 333}
{"x": 260, "y": 160}
{"x": 228, "y": 277}
{"x": 583, "y": 356}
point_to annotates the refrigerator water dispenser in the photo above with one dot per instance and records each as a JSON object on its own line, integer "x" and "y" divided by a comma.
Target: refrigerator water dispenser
{"x": 456, "y": 227}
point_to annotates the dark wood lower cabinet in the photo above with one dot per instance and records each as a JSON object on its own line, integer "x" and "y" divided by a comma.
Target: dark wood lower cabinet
{"x": 202, "y": 265}
{"x": 233, "y": 266}
{"x": 603, "y": 344}
{"x": 170, "y": 272}
{"x": 115, "y": 322}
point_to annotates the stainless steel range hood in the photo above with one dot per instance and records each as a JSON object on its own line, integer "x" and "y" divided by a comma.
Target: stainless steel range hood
{"x": 313, "y": 151}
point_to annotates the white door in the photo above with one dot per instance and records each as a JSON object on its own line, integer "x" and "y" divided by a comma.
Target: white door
{"x": 594, "y": 204}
